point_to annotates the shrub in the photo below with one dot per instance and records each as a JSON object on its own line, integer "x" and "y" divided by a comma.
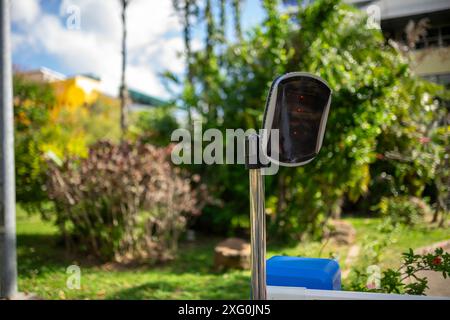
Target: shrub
{"x": 74, "y": 129}
{"x": 156, "y": 125}
{"x": 42, "y": 126}
{"x": 404, "y": 209}
{"x": 123, "y": 202}
{"x": 32, "y": 104}
{"x": 406, "y": 279}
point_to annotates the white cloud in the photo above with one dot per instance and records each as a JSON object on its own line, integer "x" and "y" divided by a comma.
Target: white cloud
{"x": 24, "y": 11}
{"x": 95, "y": 48}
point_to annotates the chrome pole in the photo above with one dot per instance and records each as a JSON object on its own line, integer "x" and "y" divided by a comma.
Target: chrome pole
{"x": 8, "y": 259}
{"x": 258, "y": 235}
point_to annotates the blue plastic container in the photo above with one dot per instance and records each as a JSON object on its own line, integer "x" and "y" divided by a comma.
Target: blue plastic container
{"x": 310, "y": 273}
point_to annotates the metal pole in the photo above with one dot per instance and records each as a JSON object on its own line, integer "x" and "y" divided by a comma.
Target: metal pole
{"x": 8, "y": 259}
{"x": 258, "y": 235}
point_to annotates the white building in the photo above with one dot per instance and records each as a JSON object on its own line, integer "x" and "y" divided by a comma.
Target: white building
{"x": 431, "y": 55}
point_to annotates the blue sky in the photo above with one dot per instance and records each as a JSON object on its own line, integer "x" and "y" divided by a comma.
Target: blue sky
{"x": 46, "y": 34}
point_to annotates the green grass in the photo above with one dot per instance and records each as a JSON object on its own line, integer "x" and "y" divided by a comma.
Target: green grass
{"x": 400, "y": 240}
{"x": 43, "y": 262}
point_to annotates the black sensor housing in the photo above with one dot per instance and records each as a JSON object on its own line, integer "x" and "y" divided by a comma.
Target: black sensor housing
{"x": 297, "y": 106}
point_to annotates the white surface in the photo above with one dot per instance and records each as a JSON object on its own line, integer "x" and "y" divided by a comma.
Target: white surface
{"x": 390, "y": 9}
{"x": 295, "y": 293}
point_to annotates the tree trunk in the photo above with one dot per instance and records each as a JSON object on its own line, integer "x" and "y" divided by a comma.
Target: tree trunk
{"x": 123, "y": 85}
{"x": 210, "y": 42}
{"x": 237, "y": 19}
{"x": 222, "y": 31}
{"x": 187, "y": 45}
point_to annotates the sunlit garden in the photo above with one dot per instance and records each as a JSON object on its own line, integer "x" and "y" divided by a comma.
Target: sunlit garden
{"x": 97, "y": 188}
{"x": 191, "y": 274}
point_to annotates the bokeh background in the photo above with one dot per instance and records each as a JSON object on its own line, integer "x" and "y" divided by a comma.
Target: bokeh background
{"x": 99, "y": 86}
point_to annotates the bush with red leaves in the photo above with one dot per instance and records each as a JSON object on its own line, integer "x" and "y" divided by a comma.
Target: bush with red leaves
{"x": 124, "y": 202}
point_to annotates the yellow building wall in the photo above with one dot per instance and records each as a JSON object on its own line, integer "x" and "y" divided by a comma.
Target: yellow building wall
{"x": 431, "y": 61}
{"x": 71, "y": 97}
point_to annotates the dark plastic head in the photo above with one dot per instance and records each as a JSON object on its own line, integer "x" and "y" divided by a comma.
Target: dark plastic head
{"x": 297, "y": 106}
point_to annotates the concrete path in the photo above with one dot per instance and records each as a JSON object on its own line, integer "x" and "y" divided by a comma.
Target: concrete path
{"x": 353, "y": 253}
{"x": 438, "y": 286}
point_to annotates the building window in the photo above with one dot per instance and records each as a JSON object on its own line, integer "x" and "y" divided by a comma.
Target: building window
{"x": 436, "y": 37}
{"x": 443, "y": 79}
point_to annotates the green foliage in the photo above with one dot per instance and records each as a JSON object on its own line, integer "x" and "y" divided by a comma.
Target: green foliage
{"x": 378, "y": 268}
{"x": 123, "y": 202}
{"x": 404, "y": 209}
{"x": 41, "y": 132}
{"x": 410, "y": 151}
{"x": 230, "y": 97}
{"x": 155, "y": 126}
{"x": 101, "y": 122}
{"x": 441, "y": 138}
{"x": 406, "y": 279}
{"x": 379, "y": 113}
{"x": 374, "y": 244}
{"x": 364, "y": 74}
{"x": 32, "y": 105}
{"x": 73, "y": 130}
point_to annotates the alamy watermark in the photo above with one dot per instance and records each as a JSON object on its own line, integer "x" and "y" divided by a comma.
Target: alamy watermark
{"x": 373, "y": 277}
{"x": 72, "y": 13}
{"x": 374, "y": 13}
{"x": 213, "y": 147}
{"x": 73, "y": 281}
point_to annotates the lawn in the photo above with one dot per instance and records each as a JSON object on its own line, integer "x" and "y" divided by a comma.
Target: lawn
{"x": 43, "y": 262}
